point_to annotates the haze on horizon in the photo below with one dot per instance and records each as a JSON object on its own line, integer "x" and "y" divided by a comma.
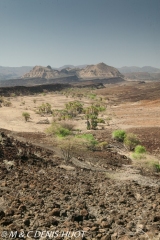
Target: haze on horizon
{"x": 61, "y": 32}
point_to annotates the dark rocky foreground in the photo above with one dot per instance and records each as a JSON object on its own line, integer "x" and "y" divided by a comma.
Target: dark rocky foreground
{"x": 30, "y": 90}
{"x": 37, "y": 194}
{"x": 62, "y": 80}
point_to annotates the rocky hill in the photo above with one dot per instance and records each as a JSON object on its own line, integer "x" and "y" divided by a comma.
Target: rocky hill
{"x": 100, "y": 71}
{"x": 45, "y": 72}
{"x": 47, "y": 75}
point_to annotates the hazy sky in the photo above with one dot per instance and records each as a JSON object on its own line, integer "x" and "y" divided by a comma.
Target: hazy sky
{"x": 58, "y": 32}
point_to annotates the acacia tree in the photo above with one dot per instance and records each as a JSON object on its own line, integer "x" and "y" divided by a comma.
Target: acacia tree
{"x": 70, "y": 146}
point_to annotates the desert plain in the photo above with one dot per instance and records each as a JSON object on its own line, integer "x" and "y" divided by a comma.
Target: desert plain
{"x": 105, "y": 192}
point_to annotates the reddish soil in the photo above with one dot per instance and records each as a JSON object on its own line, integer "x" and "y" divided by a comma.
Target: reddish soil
{"x": 149, "y": 137}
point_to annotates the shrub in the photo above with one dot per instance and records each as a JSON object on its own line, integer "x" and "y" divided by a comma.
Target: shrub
{"x": 131, "y": 141}
{"x": 91, "y": 142}
{"x": 92, "y": 95}
{"x": 140, "y": 149}
{"x": 62, "y": 132}
{"x": 74, "y": 108}
{"x": 7, "y": 103}
{"x": 45, "y": 108}
{"x": 101, "y": 108}
{"x": 70, "y": 146}
{"x": 119, "y": 135}
{"x": 58, "y": 130}
{"x": 67, "y": 125}
{"x": 26, "y": 116}
{"x": 103, "y": 145}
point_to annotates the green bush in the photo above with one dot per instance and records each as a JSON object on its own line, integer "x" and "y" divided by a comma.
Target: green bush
{"x": 62, "y": 132}
{"x": 131, "y": 141}
{"x": 119, "y": 135}
{"x": 26, "y": 116}
{"x": 89, "y": 139}
{"x": 58, "y": 130}
{"x": 140, "y": 149}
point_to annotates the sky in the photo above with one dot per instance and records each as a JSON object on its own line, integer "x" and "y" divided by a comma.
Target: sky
{"x": 60, "y": 32}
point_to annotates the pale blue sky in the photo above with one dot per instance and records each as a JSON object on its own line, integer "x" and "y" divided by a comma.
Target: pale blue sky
{"x": 58, "y": 32}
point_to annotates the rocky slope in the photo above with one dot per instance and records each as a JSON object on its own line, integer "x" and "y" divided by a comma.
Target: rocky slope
{"x": 100, "y": 70}
{"x": 33, "y": 197}
{"x": 45, "y": 72}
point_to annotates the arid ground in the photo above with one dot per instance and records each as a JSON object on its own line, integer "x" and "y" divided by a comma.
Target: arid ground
{"x": 106, "y": 192}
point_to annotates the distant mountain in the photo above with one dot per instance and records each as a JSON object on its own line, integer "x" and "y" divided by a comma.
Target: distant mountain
{"x": 98, "y": 71}
{"x": 142, "y": 76}
{"x": 72, "y": 66}
{"x": 133, "y": 69}
{"x": 13, "y": 72}
{"x": 17, "y": 72}
{"x": 150, "y": 69}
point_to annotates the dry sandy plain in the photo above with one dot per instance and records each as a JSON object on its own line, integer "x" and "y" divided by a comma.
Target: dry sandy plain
{"x": 130, "y": 106}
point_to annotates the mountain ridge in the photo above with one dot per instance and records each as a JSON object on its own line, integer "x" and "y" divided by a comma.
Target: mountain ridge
{"x": 17, "y": 72}
{"x": 134, "y": 69}
{"x": 100, "y": 70}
